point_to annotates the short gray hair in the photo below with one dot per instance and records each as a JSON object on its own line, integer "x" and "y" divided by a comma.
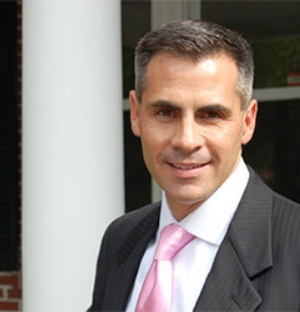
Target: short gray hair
{"x": 196, "y": 40}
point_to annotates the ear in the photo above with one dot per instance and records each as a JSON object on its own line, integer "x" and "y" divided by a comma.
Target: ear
{"x": 134, "y": 113}
{"x": 249, "y": 121}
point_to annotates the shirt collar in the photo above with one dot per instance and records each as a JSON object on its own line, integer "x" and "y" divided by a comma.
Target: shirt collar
{"x": 211, "y": 220}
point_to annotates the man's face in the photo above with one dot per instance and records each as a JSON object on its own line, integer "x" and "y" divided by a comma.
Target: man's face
{"x": 191, "y": 126}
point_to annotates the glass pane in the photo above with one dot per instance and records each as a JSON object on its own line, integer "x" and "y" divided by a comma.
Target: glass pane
{"x": 275, "y": 148}
{"x": 273, "y": 29}
{"x": 277, "y": 62}
{"x": 137, "y": 177}
{"x": 135, "y": 23}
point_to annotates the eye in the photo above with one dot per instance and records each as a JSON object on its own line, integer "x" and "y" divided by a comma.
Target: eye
{"x": 214, "y": 113}
{"x": 210, "y": 114}
{"x": 165, "y": 110}
{"x": 165, "y": 113}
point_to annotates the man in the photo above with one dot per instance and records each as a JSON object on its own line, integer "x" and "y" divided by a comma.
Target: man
{"x": 192, "y": 109}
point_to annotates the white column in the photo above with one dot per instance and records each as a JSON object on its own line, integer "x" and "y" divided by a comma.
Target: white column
{"x": 72, "y": 146}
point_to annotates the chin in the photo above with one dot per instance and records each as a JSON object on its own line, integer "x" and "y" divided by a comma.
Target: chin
{"x": 190, "y": 199}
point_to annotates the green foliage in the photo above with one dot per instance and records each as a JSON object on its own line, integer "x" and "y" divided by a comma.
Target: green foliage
{"x": 274, "y": 60}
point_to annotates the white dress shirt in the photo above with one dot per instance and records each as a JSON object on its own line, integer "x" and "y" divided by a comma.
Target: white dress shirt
{"x": 209, "y": 223}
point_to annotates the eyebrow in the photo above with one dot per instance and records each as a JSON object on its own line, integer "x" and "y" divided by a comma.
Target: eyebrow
{"x": 216, "y": 107}
{"x": 164, "y": 104}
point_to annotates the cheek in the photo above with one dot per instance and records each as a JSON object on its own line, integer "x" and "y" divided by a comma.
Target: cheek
{"x": 149, "y": 144}
{"x": 218, "y": 137}
{"x": 153, "y": 135}
{"x": 224, "y": 142}
{"x": 154, "y": 147}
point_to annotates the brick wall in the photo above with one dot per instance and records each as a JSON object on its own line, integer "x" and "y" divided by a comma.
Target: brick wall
{"x": 10, "y": 291}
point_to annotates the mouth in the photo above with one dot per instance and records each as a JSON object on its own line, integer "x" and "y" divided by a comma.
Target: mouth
{"x": 187, "y": 170}
{"x": 186, "y": 167}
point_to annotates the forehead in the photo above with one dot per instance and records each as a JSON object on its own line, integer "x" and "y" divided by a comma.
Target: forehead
{"x": 181, "y": 79}
{"x": 169, "y": 67}
{"x": 168, "y": 63}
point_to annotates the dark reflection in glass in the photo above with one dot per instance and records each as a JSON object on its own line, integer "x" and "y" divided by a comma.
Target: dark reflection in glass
{"x": 137, "y": 177}
{"x": 135, "y": 23}
{"x": 274, "y": 151}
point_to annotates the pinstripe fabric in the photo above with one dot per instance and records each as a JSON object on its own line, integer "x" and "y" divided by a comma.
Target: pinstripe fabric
{"x": 257, "y": 267}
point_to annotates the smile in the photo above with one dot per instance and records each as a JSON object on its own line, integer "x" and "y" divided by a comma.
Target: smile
{"x": 187, "y": 171}
{"x": 186, "y": 167}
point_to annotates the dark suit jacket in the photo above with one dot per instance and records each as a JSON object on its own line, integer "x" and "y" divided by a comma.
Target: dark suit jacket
{"x": 257, "y": 267}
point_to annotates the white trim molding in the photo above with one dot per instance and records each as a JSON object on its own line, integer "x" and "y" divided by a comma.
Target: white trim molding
{"x": 277, "y": 94}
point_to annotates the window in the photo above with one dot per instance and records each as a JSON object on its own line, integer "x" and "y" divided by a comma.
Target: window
{"x": 272, "y": 28}
{"x": 135, "y": 23}
{"x": 275, "y": 149}
{"x": 9, "y": 246}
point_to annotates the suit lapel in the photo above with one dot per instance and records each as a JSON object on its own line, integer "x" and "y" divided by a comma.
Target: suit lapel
{"x": 227, "y": 287}
{"x": 245, "y": 252}
{"x": 130, "y": 254}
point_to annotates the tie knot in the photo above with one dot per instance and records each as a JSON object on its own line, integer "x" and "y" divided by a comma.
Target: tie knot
{"x": 172, "y": 239}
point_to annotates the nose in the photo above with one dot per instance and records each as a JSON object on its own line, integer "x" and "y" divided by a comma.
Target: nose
{"x": 187, "y": 137}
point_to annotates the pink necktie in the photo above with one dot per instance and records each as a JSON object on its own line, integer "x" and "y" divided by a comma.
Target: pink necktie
{"x": 157, "y": 290}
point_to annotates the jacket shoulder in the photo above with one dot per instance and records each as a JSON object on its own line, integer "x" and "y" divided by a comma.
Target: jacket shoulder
{"x": 126, "y": 235}
{"x": 142, "y": 217}
{"x": 286, "y": 222}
